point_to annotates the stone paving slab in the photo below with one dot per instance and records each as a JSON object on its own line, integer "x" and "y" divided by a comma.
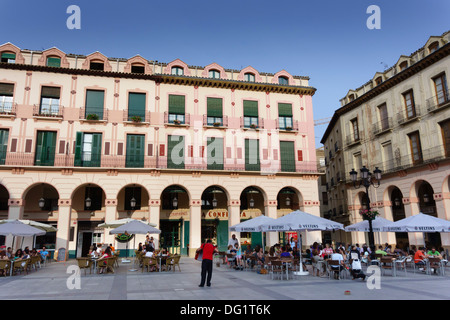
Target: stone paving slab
{"x": 50, "y": 283}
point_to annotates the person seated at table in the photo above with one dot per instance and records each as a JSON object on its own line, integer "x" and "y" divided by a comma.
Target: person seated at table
{"x": 3, "y": 256}
{"x": 399, "y": 251}
{"x": 232, "y": 259}
{"x": 272, "y": 252}
{"x": 419, "y": 257}
{"x": 260, "y": 257}
{"x": 433, "y": 253}
{"x": 99, "y": 249}
{"x": 344, "y": 255}
{"x": 327, "y": 251}
{"x": 26, "y": 253}
{"x": 112, "y": 248}
{"x": 337, "y": 256}
{"x": 164, "y": 252}
{"x": 316, "y": 263}
{"x": 284, "y": 253}
{"x": 149, "y": 252}
{"x": 277, "y": 249}
{"x": 107, "y": 254}
{"x": 18, "y": 255}
{"x": 92, "y": 252}
{"x": 381, "y": 251}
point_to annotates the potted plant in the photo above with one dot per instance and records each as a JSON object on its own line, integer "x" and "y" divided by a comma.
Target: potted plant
{"x": 216, "y": 124}
{"x": 92, "y": 116}
{"x": 368, "y": 214}
{"x": 176, "y": 121}
{"x": 253, "y": 126}
{"x": 136, "y": 119}
{"x": 288, "y": 128}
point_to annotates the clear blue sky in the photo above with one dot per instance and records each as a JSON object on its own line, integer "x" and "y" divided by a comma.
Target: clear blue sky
{"x": 325, "y": 40}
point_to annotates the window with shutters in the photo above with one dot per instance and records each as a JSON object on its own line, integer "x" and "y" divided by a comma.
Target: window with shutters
{"x": 175, "y": 152}
{"x": 135, "y": 151}
{"x": 283, "y": 80}
{"x": 50, "y": 100}
{"x": 214, "y": 74}
{"x": 285, "y": 116}
{"x": 250, "y": 114}
{"x": 136, "y": 106}
{"x": 8, "y": 57}
{"x": 249, "y": 77}
{"x": 416, "y": 148}
{"x": 88, "y": 147}
{"x": 445, "y": 128}
{"x": 215, "y": 153}
{"x": 214, "y": 112}
{"x": 287, "y": 156}
{"x": 355, "y": 129}
{"x": 6, "y": 97}
{"x": 252, "y": 162}
{"x": 410, "y": 107}
{"x": 45, "y": 148}
{"x": 94, "y": 104}
{"x": 441, "y": 88}
{"x": 4, "y": 134}
{"x": 54, "y": 62}
{"x": 176, "y": 109}
{"x": 178, "y": 71}
{"x": 384, "y": 120}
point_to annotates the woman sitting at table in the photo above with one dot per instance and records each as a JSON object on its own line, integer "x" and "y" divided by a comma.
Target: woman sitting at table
{"x": 107, "y": 254}
{"x": 260, "y": 257}
{"x": 18, "y": 255}
{"x": 93, "y": 252}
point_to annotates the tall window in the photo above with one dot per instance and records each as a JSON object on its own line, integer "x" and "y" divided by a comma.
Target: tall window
{"x": 252, "y": 155}
{"x": 408, "y": 97}
{"x": 440, "y": 85}
{"x": 88, "y": 147}
{"x": 6, "y": 97}
{"x": 135, "y": 151}
{"x": 176, "y": 109}
{"x": 214, "y": 111}
{"x": 4, "y": 133}
{"x": 285, "y": 116}
{"x": 50, "y": 101}
{"x": 355, "y": 129}
{"x": 445, "y": 128}
{"x": 416, "y": 148}
{"x": 249, "y": 77}
{"x": 136, "y": 106}
{"x": 250, "y": 114}
{"x": 54, "y": 62}
{"x": 215, "y": 153}
{"x": 388, "y": 156}
{"x": 384, "y": 121}
{"x": 178, "y": 71}
{"x": 175, "y": 152}
{"x": 287, "y": 156}
{"x": 94, "y": 103}
{"x": 215, "y": 74}
{"x": 8, "y": 57}
{"x": 45, "y": 148}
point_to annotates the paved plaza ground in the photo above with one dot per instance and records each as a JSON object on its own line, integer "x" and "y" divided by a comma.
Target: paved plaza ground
{"x": 50, "y": 283}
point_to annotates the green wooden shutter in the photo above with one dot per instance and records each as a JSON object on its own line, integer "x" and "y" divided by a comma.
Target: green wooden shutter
{"x": 45, "y": 148}
{"x": 53, "y": 62}
{"x": 222, "y": 235}
{"x": 250, "y": 108}
{"x": 3, "y": 144}
{"x": 215, "y": 153}
{"x": 6, "y": 89}
{"x": 287, "y": 155}
{"x": 252, "y": 155}
{"x": 285, "y": 110}
{"x": 214, "y": 106}
{"x": 175, "y": 153}
{"x": 176, "y": 104}
{"x": 78, "y": 149}
{"x": 136, "y": 105}
{"x": 95, "y": 103}
{"x": 96, "y": 150}
{"x": 6, "y": 55}
{"x": 135, "y": 151}
{"x": 184, "y": 247}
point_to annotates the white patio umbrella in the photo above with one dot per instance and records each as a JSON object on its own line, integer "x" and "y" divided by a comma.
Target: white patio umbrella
{"x": 118, "y": 223}
{"x": 17, "y": 228}
{"x": 301, "y": 221}
{"x": 39, "y": 225}
{"x": 378, "y": 225}
{"x": 252, "y": 225}
{"x": 135, "y": 227}
{"x": 419, "y": 223}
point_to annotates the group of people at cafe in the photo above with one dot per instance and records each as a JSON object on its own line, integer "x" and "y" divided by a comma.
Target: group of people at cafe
{"x": 8, "y": 254}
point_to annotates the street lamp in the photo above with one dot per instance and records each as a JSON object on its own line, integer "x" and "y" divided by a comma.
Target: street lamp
{"x": 366, "y": 181}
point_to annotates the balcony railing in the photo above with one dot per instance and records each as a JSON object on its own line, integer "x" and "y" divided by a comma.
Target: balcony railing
{"x": 439, "y": 102}
{"x": 382, "y": 126}
{"x": 176, "y": 119}
{"x": 404, "y": 117}
{"x": 252, "y": 125}
{"x": 48, "y": 111}
{"x": 136, "y": 119}
{"x": 93, "y": 114}
{"x": 426, "y": 156}
{"x": 8, "y": 108}
{"x": 351, "y": 140}
{"x": 284, "y": 127}
{"x": 215, "y": 121}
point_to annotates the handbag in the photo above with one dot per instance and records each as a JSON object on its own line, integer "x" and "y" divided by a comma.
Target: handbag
{"x": 199, "y": 254}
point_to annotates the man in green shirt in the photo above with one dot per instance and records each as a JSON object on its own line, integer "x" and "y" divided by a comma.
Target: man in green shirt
{"x": 433, "y": 253}
{"x": 381, "y": 251}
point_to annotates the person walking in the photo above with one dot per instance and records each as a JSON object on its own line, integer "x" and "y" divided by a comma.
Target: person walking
{"x": 207, "y": 262}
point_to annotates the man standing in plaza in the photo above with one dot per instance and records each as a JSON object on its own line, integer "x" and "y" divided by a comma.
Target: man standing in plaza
{"x": 233, "y": 241}
{"x": 207, "y": 262}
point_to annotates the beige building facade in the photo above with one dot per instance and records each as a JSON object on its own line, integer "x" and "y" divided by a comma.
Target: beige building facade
{"x": 399, "y": 121}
